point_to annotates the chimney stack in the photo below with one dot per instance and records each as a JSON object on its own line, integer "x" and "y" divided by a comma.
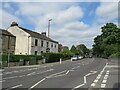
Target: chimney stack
{"x": 43, "y": 33}
{"x": 14, "y": 24}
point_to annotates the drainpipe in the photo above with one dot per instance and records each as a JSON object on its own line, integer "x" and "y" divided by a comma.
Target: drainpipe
{"x": 28, "y": 44}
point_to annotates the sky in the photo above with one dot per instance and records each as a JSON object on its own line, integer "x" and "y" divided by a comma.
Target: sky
{"x": 73, "y": 23}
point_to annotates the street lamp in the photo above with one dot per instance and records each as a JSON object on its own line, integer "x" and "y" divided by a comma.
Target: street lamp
{"x": 49, "y": 27}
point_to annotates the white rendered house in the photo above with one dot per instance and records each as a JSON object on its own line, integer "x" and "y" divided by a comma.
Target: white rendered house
{"x": 30, "y": 42}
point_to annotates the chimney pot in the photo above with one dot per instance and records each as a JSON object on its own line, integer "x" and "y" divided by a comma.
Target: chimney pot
{"x": 14, "y": 24}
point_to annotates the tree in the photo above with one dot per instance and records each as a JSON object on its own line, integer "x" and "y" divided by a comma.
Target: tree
{"x": 83, "y": 49}
{"x": 68, "y": 52}
{"x": 108, "y": 42}
{"x": 74, "y": 50}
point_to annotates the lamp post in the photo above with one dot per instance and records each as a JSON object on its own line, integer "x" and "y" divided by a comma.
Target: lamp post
{"x": 49, "y": 27}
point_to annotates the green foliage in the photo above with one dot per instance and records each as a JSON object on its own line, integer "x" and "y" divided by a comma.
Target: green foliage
{"x": 73, "y": 49}
{"x": 108, "y": 42}
{"x": 16, "y": 58}
{"x": 115, "y": 55}
{"x": 52, "y": 57}
{"x": 68, "y": 52}
{"x": 83, "y": 50}
{"x": 55, "y": 57}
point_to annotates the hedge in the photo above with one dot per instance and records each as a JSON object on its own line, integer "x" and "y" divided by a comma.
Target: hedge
{"x": 54, "y": 57}
{"x": 16, "y": 58}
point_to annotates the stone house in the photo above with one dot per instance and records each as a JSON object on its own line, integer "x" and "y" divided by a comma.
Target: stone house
{"x": 7, "y": 42}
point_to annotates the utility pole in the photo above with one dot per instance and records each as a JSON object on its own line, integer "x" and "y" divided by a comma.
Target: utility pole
{"x": 49, "y": 27}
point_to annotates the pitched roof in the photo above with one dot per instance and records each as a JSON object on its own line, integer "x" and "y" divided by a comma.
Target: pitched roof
{"x": 37, "y": 35}
{"x": 5, "y": 32}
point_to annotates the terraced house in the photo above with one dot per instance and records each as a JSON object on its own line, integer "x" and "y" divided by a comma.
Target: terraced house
{"x": 30, "y": 42}
{"x": 7, "y": 42}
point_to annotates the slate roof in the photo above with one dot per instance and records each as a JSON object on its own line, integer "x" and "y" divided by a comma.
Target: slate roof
{"x": 5, "y": 32}
{"x": 37, "y": 35}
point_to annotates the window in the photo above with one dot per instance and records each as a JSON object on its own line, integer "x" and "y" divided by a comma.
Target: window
{"x": 41, "y": 52}
{"x": 35, "y": 52}
{"x": 36, "y": 42}
{"x": 55, "y": 45}
{"x": 51, "y": 45}
{"x": 41, "y": 43}
{"x": 47, "y": 44}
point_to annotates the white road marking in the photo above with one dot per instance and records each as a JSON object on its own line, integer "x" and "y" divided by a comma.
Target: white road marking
{"x": 2, "y": 80}
{"x": 103, "y": 85}
{"x": 78, "y": 86}
{"x": 85, "y": 79}
{"x": 76, "y": 67}
{"x": 98, "y": 77}
{"x": 93, "y": 84}
{"x": 96, "y": 80}
{"x": 104, "y": 81}
{"x": 113, "y": 66}
{"x": 55, "y": 74}
{"x": 37, "y": 83}
{"x": 106, "y": 75}
{"x": 30, "y": 74}
{"x": 15, "y": 87}
{"x": 108, "y": 71}
{"x": 67, "y": 72}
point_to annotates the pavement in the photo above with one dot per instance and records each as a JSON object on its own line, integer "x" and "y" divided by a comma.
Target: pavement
{"x": 88, "y": 73}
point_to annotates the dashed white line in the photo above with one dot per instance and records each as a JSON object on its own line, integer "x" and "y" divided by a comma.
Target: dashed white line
{"x": 103, "y": 85}
{"x": 96, "y": 80}
{"x": 104, "y": 81}
{"x": 98, "y": 77}
{"x": 93, "y": 84}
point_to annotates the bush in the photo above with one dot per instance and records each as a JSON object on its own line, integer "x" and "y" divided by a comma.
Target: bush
{"x": 115, "y": 55}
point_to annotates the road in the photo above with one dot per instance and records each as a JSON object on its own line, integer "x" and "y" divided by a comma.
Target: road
{"x": 87, "y": 73}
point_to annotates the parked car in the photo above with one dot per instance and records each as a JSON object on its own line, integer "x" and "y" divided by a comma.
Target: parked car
{"x": 74, "y": 58}
{"x": 80, "y": 57}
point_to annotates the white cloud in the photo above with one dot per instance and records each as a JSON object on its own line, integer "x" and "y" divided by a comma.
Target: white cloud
{"x": 107, "y": 11}
{"x": 77, "y": 25}
{"x": 7, "y": 6}
{"x": 7, "y": 18}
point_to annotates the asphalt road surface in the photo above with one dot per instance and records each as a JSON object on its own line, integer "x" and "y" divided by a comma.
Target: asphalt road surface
{"x": 90, "y": 73}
